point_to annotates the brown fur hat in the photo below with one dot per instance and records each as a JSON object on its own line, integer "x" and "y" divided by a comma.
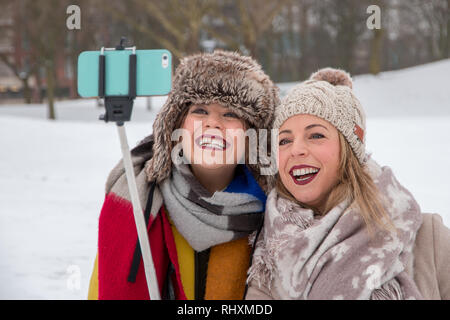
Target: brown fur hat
{"x": 227, "y": 78}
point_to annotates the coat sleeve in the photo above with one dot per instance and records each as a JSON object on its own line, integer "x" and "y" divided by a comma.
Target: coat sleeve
{"x": 441, "y": 235}
{"x": 93, "y": 284}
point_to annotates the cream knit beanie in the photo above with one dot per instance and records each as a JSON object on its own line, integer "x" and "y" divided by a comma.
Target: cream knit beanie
{"x": 328, "y": 95}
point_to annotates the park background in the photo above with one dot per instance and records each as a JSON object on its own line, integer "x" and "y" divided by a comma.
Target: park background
{"x": 55, "y": 154}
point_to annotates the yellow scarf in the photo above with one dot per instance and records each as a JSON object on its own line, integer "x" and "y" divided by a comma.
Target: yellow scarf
{"x": 233, "y": 256}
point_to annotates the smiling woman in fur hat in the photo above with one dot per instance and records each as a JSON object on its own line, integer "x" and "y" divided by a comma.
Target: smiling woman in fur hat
{"x": 337, "y": 225}
{"x": 199, "y": 213}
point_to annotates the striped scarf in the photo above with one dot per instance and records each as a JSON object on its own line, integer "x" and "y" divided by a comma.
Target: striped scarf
{"x": 207, "y": 220}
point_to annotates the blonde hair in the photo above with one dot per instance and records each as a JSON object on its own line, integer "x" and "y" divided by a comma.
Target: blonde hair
{"x": 354, "y": 183}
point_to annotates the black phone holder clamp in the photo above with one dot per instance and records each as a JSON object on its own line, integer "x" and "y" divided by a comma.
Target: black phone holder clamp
{"x": 118, "y": 108}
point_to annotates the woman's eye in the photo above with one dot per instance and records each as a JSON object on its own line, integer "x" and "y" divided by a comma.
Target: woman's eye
{"x": 199, "y": 111}
{"x": 283, "y": 142}
{"x": 317, "y": 136}
{"x": 231, "y": 115}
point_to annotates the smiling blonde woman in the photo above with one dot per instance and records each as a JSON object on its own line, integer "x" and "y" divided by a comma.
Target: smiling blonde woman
{"x": 337, "y": 225}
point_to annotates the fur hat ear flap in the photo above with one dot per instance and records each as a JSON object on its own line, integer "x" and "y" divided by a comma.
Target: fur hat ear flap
{"x": 159, "y": 166}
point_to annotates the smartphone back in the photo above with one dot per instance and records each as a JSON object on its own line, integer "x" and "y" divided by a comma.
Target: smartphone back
{"x": 153, "y": 72}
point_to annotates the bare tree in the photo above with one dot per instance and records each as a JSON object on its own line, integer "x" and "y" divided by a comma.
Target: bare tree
{"x": 435, "y": 13}
{"x": 171, "y": 24}
{"x": 23, "y": 68}
{"x": 247, "y": 23}
{"x": 290, "y": 38}
{"x": 42, "y": 26}
{"x": 91, "y": 36}
{"x": 375, "y": 60}
{"x": 430, "y": 23}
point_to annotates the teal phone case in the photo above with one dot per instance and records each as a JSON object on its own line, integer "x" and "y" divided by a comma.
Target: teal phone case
{"x": 153, "y": 76}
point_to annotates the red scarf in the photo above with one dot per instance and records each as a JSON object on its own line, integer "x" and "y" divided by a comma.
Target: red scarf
{"x": 116, "y": 244}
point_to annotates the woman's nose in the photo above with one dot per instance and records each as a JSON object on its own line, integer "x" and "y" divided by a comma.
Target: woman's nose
{"x": 213, "y": 121}
{"x": 299, "y": 148}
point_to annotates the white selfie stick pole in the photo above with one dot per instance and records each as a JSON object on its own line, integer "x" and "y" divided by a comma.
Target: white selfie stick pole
{"x": 118, "y": 109}
{"x": 149, "y": 267}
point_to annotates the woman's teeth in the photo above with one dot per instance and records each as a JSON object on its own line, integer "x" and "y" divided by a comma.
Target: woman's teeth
{"x": 302, "y": 179}
{"x": 298, "y": 173}
{"x": 212, "y": 143}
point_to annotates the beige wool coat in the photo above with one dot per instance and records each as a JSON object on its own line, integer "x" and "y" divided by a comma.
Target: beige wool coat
{"x": 430, "y": 265}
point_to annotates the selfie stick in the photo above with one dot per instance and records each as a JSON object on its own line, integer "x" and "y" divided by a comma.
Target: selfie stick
{"x": 118, "y": 109}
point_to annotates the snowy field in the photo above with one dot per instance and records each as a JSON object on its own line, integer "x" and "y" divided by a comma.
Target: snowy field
{"x": 52, "y": 173}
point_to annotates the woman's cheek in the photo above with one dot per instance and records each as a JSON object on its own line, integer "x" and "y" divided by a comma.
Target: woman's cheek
{"x": 282, "y": 162}
{"x": 282, "y": 158}
{"x": 331, "y": 155}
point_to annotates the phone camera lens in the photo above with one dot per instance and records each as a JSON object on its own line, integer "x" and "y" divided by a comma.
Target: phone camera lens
{"x": 165, "y": 60}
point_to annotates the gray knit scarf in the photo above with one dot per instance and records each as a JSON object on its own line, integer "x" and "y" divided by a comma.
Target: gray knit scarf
{"x": 206, "y": 220}
{"x": 303, "y": 257}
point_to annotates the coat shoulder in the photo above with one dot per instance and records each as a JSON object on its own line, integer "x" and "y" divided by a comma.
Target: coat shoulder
{"x": 139, "y": 157}
{"x": 432, "y": 258}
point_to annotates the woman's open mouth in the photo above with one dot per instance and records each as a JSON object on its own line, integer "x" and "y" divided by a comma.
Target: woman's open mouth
{"x": 212, "y": 142}
{"x": 303, "y": 174}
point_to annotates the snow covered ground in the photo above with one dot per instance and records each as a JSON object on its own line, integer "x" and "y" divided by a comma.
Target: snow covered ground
{"x": 52, "y": 173}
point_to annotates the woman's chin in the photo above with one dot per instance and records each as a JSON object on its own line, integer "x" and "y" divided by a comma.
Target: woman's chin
{"x": 307, "y": 198}
{"x": 211, "y": 165}
{"x": 214, "y": 162}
